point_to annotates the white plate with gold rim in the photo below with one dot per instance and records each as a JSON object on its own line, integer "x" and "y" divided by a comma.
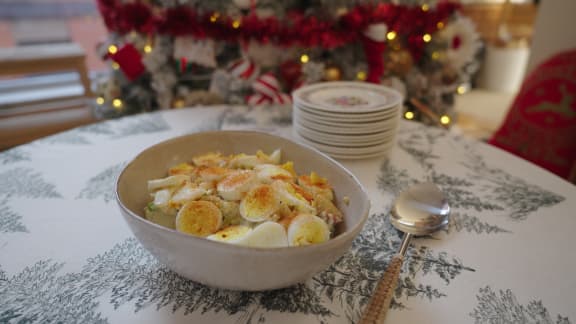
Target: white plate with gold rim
{"x": 338, "y": 142}
{"x": 344, "y": 151}
{"x": 350, "y": 97}
{"x": 345, "y": 128}
{"x": 347, "y": 119}
{"x": 347, "y": 138}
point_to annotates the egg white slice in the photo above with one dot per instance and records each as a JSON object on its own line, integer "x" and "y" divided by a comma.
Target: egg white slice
{"x": 162, "y": 197}
{"x": 289, "y": 196}
{"x": 259, "y": 204}
{"x": 212, "y": 158}
{"x": 212, "y": 173}
{"x": 171, "y": 181}
{"x": 275, "y": 157}
{"x": 267, "y": 234}
{"x": 269, "y": 172}
{"x": 182, "y": 168}
{"x": 250, "y": 161}
{"x": 235, "y": 185}
{"x": 231, "y": 234}
{"x": 186, "y": 193}
{"x": 306, "y": 229}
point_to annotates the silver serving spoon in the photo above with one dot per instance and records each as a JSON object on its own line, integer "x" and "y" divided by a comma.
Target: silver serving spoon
{"x": 422, "y": 209}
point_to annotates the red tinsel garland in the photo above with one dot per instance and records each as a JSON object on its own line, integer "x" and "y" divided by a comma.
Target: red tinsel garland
{"x": 409, "y": 22}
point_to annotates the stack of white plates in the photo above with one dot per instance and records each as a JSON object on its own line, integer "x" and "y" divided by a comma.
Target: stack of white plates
{"x": 347, "y": 120}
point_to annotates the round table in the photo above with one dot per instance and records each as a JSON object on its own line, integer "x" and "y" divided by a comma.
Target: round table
{"x": 67, "y": 256}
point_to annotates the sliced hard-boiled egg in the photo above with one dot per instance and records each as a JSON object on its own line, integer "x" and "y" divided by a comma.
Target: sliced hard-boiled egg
{"x": 269, "y": 172}
{"x": 187, "y": 193}
{"x": 316, "y": 185}
{"x": 293, "y": 196}
{"x": 267, "y": 234}
{"x": 182, "y": 168}
{"x": 212, "y": 158}
{"x": 198, "y": 217}
{"x": 162, "y": 197}
{"x": 231, "y": 234}
{"x": 211, "y": 172}
{"x": 250, "y": 161}
{"x": 171, "y": 181}
{"x": 229, "y": 209}
{"x": 235, "y": 185}
{"x": 260, "y": 204}
{"x": 306, "y": 229}
{"x": 244, "y": 161}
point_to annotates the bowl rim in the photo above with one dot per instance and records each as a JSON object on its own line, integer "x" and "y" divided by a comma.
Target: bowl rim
{"x": 338, "y": 240}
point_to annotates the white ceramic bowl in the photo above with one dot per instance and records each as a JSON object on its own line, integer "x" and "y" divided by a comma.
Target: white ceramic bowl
{"x": 229, "y": 266}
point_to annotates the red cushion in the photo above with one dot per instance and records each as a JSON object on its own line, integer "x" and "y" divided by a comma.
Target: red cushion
{"x": 541, "y": 124}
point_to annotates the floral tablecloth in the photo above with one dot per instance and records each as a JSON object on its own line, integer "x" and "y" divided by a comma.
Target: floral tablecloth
{"x": 67, "y": 256}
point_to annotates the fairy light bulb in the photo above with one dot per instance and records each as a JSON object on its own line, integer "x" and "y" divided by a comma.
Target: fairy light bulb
{"x": 304, "y": 58}
{"x": 100, "y": 100}
{"x": 361, "y": 75}
{"x": 391, "y": 35}
{"x": 117, "y": 103}
{"x": 236, "y": 24}
{"x": 179, "y": 103}
{"x": 115, "y": 66}
{"x": 147, "y": 48}
{"x": 440, "y": 25}
{"x": 445, "y": 120}
{"x": 461, "y": 89}
{"x": 112, "y": 49}
{"x": 214, "y": 17}
{"x": 435, "y": 55}
{"x": 427, "y": 38}
{"x": 409, "y": 115}
{"x": 425, "y": 7}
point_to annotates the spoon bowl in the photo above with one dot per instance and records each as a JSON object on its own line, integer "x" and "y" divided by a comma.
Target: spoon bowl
{"x": 420, "y": 210}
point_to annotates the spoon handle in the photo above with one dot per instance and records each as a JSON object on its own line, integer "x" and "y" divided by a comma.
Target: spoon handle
{"x": 375, "y": 312}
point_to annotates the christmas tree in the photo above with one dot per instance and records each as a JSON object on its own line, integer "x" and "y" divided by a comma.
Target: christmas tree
{"x": 179, "y": 53}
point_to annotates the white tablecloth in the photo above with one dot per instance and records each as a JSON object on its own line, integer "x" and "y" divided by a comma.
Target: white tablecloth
{"x": 66, "y": 255}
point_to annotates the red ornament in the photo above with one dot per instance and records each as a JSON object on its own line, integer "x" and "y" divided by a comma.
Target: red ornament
{"x": 135, "y": 16}
{"x": 456, "y": 42}
{"x": 374, "y": 52}
{"x": 130, "y": 61}
{"x": 290, "y": 73}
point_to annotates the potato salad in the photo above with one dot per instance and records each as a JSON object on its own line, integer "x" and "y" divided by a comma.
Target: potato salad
{"x": 251, "y": 200}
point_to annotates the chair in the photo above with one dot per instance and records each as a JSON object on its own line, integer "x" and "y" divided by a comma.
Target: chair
{"x": 30, "y": 59}
{"x": 541, "y": 123}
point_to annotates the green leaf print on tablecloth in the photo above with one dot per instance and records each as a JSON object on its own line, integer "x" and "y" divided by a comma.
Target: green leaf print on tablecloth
{"x": 503, "y": 307}
{"x": 103, "y": 185}
{"x": 351, "y": 280}
{"x": 10, "y": 221}
{"x": 14, "y": 155}
{"x": 512, "y": 195}
{"x": 25, "y": 182}
{"x": 130, "y": 275}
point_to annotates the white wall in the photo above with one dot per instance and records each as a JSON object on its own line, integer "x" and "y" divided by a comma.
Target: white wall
{"x": 554, "y": 30}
